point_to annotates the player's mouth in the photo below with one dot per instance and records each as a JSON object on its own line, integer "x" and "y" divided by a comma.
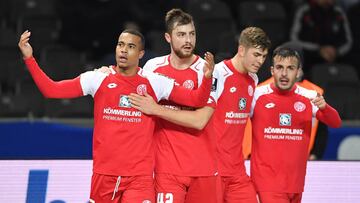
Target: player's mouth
{"x": 188, "y": 48}
{"x": 122, "y": 59}
{"x": 284, "y": 81}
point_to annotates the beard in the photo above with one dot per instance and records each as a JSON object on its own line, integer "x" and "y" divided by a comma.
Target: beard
{"x": 181, "y": 54}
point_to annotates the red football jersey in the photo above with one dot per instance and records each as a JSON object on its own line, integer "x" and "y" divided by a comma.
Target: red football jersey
{"x": 179, "y": 150}
{"x": 233, "y": 93}
{"x": 123, "y": 136}
{"x": 281, "y": 126}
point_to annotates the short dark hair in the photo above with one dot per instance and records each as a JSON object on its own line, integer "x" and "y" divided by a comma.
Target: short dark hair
{"x": 137, "y": 33}
{"x": 176, "y": 16}
{"x": 254, "y": 37}
{"x": 285, "y": 52}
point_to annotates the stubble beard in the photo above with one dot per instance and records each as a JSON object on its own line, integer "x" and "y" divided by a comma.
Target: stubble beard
{"x": 182, "y": 55}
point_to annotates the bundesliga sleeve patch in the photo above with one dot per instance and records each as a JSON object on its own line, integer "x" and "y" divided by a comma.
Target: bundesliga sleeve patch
{"x": 214, "y": 84}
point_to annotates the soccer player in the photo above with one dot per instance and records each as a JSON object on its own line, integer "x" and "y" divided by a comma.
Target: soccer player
{"x": 185, "y": 160}
{"x": 282, "y": 114}
{"x": 123, "y": 151}
{"x": 233, "y": 88}
{"x": 315, "y": 150}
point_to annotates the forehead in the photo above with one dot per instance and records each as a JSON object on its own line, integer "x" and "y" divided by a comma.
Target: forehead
{"x": 257, "y": 50}
{"x": 129, "y": 38}
{"x": 285, "y": 61}
{"x": 184, "y": 28}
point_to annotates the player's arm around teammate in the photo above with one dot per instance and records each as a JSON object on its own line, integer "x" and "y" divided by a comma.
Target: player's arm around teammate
{"x": 193, "y": 119}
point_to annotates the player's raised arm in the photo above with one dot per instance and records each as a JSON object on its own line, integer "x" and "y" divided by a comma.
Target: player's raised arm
{"x": 48, "y": 87}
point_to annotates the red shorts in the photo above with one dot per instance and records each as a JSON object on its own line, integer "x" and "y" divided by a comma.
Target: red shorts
{"x": 277, "y": 197}
{"x": 236, "y": 189}
{"x": 124, "y": 189}
{"x": 180, "y": 189}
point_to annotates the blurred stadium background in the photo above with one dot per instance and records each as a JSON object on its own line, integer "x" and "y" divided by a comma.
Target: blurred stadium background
{"x": 70, "y": 37}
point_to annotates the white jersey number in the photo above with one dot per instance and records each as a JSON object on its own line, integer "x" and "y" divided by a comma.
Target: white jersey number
{"x": 168, "y": 198}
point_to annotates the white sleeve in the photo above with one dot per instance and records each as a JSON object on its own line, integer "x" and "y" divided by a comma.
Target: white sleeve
{"x": 154, "y": 63}
{"x": 161, "y": 85}
{"x": 148, "y": 65}
{"x": 255, "y": 78}
{"x": 259, "y": 91}
{"x": 214, "y": 94}
{"x": 217, "y": 83}
{"x": 90, "y": 82}
{"x": 253, "y": 103}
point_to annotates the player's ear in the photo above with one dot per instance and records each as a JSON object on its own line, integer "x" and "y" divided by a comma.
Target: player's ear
{"x": 141, "y": 54}
{"x": 167, "y": 37}
{"x": 299, "y": 73}
{"x": 272, "y": 70}
{"x": 241, "y": 50}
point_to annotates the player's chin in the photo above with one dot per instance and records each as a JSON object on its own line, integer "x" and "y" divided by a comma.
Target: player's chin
{"x": 284, "y": 87}
{"x": 122, "y": 65}
{"x": 186, "y": 54}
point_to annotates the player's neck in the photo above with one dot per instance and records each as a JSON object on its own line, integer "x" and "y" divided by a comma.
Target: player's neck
{"x": 181, "y": 63}
{"x": 237, "y": 63}
{"x": 127, "y": 72}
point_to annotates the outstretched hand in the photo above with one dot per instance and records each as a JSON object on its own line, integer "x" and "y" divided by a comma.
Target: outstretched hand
{"x": 24, "y": 45}
{"x": 209, "y": 64}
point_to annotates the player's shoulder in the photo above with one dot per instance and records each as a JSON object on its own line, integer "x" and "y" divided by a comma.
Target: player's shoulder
{"x": 198, "y": 64}
{"x": 304, "y": 92}
{"x": 154, "y": 63}
{"x": 148, "y": 74}
{"x": 221, "y": 70}
{"x": 262, "y": 91}
{"x": 96, "y": 74}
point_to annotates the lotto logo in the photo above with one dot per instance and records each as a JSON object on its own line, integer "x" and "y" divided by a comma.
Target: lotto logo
{"x": 111, "y": 85}
{"x": 165, "y": 198}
